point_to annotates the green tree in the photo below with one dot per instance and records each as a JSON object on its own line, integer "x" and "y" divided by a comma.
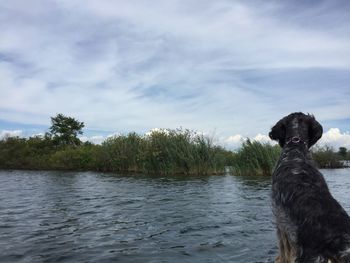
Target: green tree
{"x": 342, "y": 152}
{"x": 65, "y": 130}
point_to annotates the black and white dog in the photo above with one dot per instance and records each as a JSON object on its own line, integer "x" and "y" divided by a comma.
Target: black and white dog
{"x": 311, "y": 224}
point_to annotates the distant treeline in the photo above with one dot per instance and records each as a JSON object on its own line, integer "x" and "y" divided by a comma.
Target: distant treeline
{"x": 162, "y": 152}
{"x": 327, "y": 157}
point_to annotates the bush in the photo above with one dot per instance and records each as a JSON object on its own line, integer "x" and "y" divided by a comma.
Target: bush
{"x": 326, "y": 157}
{"x": 76, "y": 158}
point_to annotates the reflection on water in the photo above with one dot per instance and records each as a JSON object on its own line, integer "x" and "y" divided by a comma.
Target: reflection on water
{"x": 95, "y": 217}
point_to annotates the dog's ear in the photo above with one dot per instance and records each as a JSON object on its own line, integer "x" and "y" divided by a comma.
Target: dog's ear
{"x": 315, "y": 131}
{"x": 278, "y": 133}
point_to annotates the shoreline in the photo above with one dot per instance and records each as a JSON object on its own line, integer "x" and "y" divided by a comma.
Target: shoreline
{"x": 149, "y": 174}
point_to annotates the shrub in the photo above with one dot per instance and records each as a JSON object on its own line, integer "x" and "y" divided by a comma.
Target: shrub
{"x": 326, "y": 157}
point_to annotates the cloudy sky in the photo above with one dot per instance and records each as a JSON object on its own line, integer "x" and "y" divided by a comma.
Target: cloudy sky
{"x": 229, "y": 68}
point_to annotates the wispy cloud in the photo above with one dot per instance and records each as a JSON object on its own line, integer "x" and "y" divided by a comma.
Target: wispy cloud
{"x": 230, "y": 66}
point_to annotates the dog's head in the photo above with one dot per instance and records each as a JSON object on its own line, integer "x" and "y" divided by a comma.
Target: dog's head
{"x": 298, "y": 125}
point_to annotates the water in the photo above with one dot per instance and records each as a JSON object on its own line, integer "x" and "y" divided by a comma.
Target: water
{"x": 96, "y": 217}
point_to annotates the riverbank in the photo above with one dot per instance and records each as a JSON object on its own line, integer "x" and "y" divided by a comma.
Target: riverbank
{"x": 163, "y": 152}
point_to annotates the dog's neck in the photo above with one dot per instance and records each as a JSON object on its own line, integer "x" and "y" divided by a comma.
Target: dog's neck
{"x": 295, "y": 153}
{"x": 294, "y": 149}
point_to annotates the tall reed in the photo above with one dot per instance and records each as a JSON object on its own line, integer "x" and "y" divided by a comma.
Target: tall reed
{"x": 255, "y": 158}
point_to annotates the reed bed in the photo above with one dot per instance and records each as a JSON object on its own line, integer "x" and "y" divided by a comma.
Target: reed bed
{"x": 255, "y": 158}
{"x": 161, "y": 152}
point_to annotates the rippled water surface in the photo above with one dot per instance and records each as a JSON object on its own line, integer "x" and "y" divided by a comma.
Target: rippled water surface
{"x": 96, "y": 217}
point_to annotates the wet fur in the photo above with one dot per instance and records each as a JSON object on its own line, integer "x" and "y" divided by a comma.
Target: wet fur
{"x": 311, "y": 224}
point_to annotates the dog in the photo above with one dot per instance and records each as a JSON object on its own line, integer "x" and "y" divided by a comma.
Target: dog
{"x": 312, "y": 227}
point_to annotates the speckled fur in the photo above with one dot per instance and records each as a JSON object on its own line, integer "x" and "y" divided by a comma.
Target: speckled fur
{"x": 312, "y": 227}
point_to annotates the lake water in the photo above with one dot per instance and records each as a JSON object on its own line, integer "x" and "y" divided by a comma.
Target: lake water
{"x": 96, "y": 217}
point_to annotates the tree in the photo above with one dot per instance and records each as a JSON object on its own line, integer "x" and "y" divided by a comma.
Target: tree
{"x": 342, "y": 152}
{"x": 65, "y": 130}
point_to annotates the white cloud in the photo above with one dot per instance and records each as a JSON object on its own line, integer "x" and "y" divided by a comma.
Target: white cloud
{"x": 235, "y": 138}
{"x": 38, "y": 135}
{"x": 10, "y": 133}
{"x": 157, "y": 130}
{"x": 263, "y": 139}
{"x": 335, "y": 138}
{"x": 97, "y": 139}
{"x": 235, "y": 141}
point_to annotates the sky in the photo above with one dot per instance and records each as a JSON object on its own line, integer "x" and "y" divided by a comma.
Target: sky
{"x": 226, "y": 68}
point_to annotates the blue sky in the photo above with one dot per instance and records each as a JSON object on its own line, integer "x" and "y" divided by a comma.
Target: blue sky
{"x": 232, "y": 68}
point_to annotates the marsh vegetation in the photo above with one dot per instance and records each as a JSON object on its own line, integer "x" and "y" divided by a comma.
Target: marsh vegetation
{"x": 162, "y": 152}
